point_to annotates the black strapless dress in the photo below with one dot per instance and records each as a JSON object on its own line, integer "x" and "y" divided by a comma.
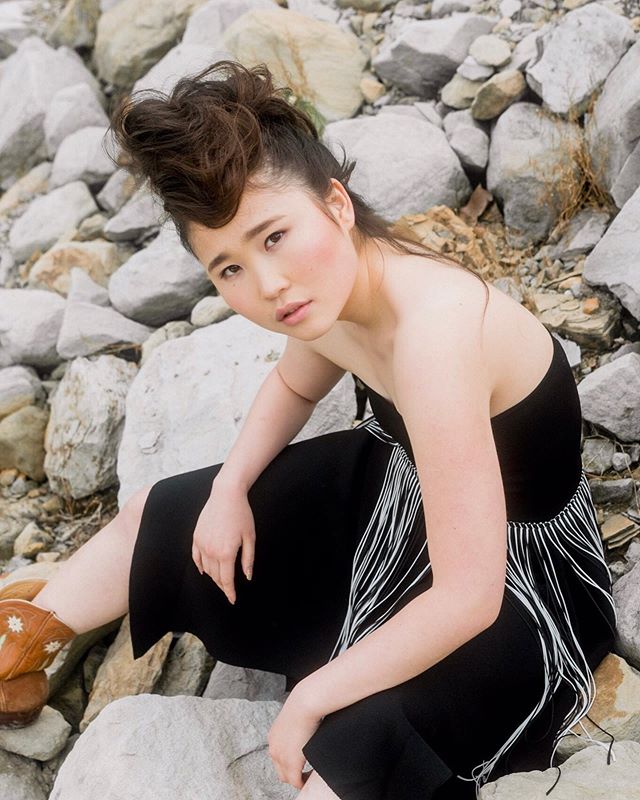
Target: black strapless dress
{"x": 341, "y": 545}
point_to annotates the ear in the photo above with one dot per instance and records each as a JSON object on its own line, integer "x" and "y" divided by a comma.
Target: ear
{"x": 341, "y": 205}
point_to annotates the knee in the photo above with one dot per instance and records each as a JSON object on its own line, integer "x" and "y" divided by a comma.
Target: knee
{"x": 131, "y": 512}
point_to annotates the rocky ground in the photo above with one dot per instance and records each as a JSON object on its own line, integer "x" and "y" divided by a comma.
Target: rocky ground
{"x": 520, "y": 155}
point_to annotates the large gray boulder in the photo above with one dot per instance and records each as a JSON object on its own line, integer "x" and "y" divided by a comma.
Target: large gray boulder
{"x": 30, "y": 321}
{"x": 189, "y": 400}
{"x": 159, "y": 283}
{"x": 428, "y": 173}
{"x": 614, "y": 260}
{"x": 578, "y": 54}
{"x": 426, "y": 54}
{"x": 531, "y": 168}
{"x": 87, "y": 328}
{"x": 168, "y": 747}
{"x": 613, "y": 130}
{"x": 30, "y": 78}
{"x": 609, "y": 397}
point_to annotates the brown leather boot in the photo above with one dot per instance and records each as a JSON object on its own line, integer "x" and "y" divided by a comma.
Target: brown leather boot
{"x": 30, "y": 638}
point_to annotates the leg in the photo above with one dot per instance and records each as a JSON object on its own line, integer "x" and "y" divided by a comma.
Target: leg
{"x": 316, "y": 789}
{"x": 91, "y": 587}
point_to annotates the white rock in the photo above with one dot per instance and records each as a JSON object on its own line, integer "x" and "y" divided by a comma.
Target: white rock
{"x": 510, "y": 7}
{"x": 244, "y": 684}
{"x": 81, "y": 157}
{"x": 116, "y": 191}
{"x": 42, "y": 740}
{"x": 141, "y": 214}
{"x": 20, "y": 778}
{"x": 427, "y": 53}
{"x": 612, "y": 130}
{"x": 614, "y": 260}
{"x": 490, "y": 51}
{"x": 428, "y": 174}
{"x": 180, "y": 61}
{"x": 83, "y": 289}
{"x": 159, "y": 283}
{"x": 19, "y": 386}
{"x": 87, "y": 415}
{"x": 87, "y": 328}
{"x": 471, "y": 145}
{"x": 30, "y": 320}
{"x": 207, "y": 23}
{"x": 30, "y": 78}
{"x": 168, "y": 747}
{"x": 210, "y": 310}
{"x": 441, "y": 8}
{"x": 15, "y": 24}
{"x": 215, "y": 373}
{"x": 473, "y": 71}
{"x": 50, "y": 217}
{"x": 71, "y": 109}
{"x": 609, "y": 398}
{"x": 579, "y": 52}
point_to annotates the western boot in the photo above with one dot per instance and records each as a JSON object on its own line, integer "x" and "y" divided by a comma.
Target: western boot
{"x": 30, "y": 639}
{"x": 25, "y": 589}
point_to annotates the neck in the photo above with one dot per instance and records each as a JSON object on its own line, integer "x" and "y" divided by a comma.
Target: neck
{"x": 368, "y": 309}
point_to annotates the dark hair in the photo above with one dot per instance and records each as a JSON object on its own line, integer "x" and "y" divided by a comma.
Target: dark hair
{"x": 209, "y": 139}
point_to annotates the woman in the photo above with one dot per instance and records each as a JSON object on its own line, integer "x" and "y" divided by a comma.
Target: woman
{"x": 416, "y": 671}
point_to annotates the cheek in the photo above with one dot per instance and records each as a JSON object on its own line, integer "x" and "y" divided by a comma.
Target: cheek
{"x": 319, "y": 254}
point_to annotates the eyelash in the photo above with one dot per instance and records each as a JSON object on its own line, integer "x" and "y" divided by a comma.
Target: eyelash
{"x": 227, "y": 277}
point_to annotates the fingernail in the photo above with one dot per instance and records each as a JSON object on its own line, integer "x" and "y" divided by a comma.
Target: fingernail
{"x": 248, "y": 574}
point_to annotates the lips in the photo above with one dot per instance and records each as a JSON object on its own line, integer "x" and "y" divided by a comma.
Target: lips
{"x": 281, "y": 313}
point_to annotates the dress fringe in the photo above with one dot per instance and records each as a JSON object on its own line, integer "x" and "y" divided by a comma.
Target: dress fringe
{"x": 384, "y": 552}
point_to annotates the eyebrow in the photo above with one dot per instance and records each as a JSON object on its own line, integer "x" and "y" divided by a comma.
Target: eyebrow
{"x": 247, "y": 237}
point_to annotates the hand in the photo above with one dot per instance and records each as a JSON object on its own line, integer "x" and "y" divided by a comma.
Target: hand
{"x": 225, "y": 524}
{"x": 293, "y": 727}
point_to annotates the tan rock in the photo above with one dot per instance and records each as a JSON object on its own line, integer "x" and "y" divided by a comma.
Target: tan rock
{"x": 317, "y": 60}
{"x": 616, "y": 707}
{"x": 76, "y": 26}
{"x": 371, "y": 88}
{"x": 99, "y": 259}
{"x": 497, "y": 94}
{"x": 594, "y": 329}
{"x": 31, "y": 541}
{"x": 34, "y": 182}
{"x": 22, "y": 441}
{"x": 121, "y": 676}
{"x": 460, "y": 92}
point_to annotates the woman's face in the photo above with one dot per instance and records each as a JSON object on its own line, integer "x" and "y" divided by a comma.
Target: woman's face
{"x": 299, "y": 257}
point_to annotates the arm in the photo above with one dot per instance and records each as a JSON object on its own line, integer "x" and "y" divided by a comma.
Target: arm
{"x": 283, "y": 404}
{"x": 445, "y": 407}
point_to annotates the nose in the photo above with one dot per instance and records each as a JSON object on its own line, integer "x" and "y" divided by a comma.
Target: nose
{"x": 271, "y": 282}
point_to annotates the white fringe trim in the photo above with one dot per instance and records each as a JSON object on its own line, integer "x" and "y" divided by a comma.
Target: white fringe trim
{"x": 384, "y": 571}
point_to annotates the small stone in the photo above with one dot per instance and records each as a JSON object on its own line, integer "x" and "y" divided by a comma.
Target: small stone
{"x": 497, "y": 94}
{"x": 460, "y": 92}
{"x": 510, "y": 7}
{"x": 492, "y": 51}
{"x": 41, "y": 740}
{"x": 31, "y": 541}
{"x": 472, "y": 71}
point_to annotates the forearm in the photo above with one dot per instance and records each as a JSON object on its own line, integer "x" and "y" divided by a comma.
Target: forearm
{"x": 276, "y": 415}
{"x": 425, "y": 631}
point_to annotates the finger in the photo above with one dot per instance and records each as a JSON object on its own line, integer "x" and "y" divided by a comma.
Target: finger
{"x": 227, "y": 572}
{"x": 248, "y": 552}
{"x": 197, "y": 558}
{"x": 211, "y": 567}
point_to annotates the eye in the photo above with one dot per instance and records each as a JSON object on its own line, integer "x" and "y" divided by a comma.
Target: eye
{"x": 232, "y": 266}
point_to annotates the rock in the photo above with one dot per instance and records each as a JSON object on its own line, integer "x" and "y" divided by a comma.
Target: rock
{"x": 490, "y": 51}
{"x": 472, "y": 71}
{"x": 134, "y": 34}
{"x": 81, "y": 157}
{"x": 15, "y": 24}
{"x": 208, "y": 22}
{"x": 615, "y": 491}
{"x": 72, "y": 109}
{"x": 497, "y": 94}
{"x": 117, "y": 190}
{"x": 427, "y": 53}
{"x": 172, "y": 330}
{"x": 141, "y": 215}
{"x": 82, "y": 289}
{"x": 87, "y": 416}
{"x": 181, "y": 60}
{"x": 442, "y": 8}
{"x": 609, "y": 395}
{"x": 187, "y": 668}
{"x": 87, "y": 329}
{"x": 509, "y": 8}
{"x": 30, "y": 542}
{"x": 585, "y": 775}
{"x": 50, "y": 217}
{"x": 42, "y": 740}
{"x": 19, "y": 387}
{"x": 612, "y": 129}
{"x": 417, "y": 110}
{"x": 597, "y": 455}
{"x": 209, "y": 747}
{"x": 578, "y": 54}
{"x": 76, "y": 26}
{"x": 21, "y": 441}
{"x": 36, "y": 181}
{"x": 467, "y": 139}
{"x": 30, "y": 78}
{"x": 120, "y": 675}
{"x": 614, "y": 260}
{"x": 325, "y": 59}
{"x": 20, "y": 778}
{"x": 159, "y": 283}
{"x": 30, "y": 320}
{"x": 208, "y": 311}
{"x": 530, "y": 151}
{"x": 526, "y": 51}
{"x": 428, "y": 174}
{"x": 460, "y": 92}
{"x": 582, "y": 234}
{"x": 158, "y": 440}
{"x": 98, "y": 260}
{"x": 589, "y": 324}
{"x": 626, "y": 594}
{"x": 245, "y": 684}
